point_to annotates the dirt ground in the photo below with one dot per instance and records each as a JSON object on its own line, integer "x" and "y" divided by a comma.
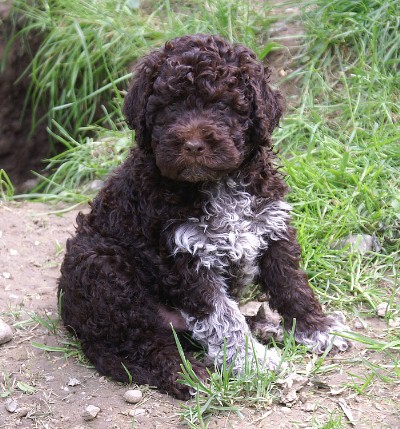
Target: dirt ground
{"x": 52, "y": 391}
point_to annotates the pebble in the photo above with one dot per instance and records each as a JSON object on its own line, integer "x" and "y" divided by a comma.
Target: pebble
{"x": 133, "y": 396}
{"x": 96, "y": 185}
{"x": 394, "y": 323}
{"x": 359, "y": 243}
{"x": 22, "y": 412}
{"x": 250, "y": 308}
{"x": 309, "y": 407}
{"x": 137, "y": 412}
{"x": 73, "y": 382}
{"x": 381, "y": 309}
{"x": 11, "y": 405}
{"x": 6, "y": 333}
{"x": 90, "y": 412}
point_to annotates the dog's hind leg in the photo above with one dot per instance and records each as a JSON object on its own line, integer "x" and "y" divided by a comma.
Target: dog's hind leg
{"x": 106, "y": 301}
{"x": 154, "y": 361}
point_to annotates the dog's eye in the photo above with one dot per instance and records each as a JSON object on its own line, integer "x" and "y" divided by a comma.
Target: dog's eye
{"x": 221, "y": 106}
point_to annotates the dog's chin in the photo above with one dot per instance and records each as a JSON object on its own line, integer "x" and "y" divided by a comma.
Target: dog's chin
{"x": 194, "y": 174}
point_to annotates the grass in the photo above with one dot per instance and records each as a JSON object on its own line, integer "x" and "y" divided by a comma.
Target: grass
{"x": 228, "y": 392}
{"x": 334, "y": 421}
{"x": 339, "y": 145}
{"x": 88, "y": 47}
{"x": 6, "y": 187}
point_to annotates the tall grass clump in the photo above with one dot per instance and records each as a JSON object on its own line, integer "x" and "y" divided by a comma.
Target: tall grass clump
{"x": 341, "y": 146}
{"x": 83, "y": 60}
{"x": 75, "y": 171}
{"x": 358, "y": 31}
{"x": 87, "y": 47}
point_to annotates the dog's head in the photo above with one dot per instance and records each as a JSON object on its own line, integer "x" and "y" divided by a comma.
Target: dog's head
{"x": 202, "y": 106}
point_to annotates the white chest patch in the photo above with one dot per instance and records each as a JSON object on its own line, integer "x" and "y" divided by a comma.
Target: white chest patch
{"x": 235, "y": 227}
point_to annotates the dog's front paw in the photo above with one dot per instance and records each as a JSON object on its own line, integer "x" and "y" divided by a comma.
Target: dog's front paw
{"x": 268, "y": 358}
{"x": 321, "y": 340}
{"x": 256, "y": 355}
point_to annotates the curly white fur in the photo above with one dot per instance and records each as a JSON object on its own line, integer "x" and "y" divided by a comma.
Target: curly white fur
{"x": 227, "y": 239}
{"x": 319, "y": 341}
{"x": 235, "y": 227}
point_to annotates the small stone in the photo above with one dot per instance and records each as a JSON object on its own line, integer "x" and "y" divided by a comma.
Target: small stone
{"x": 250, "y": 308}
{"x": 309, "y": 407}
{"x": 6, "y": 332}
{"x": 11, "y": 405}
{"x": 133, "y": 396}
{"x": 358, "y": 324}
{"x": 22, "y": 412}
{"x": 90, "y": 412}
{"x": 290, "y": 386}
{"x": 137, "y": 412}
{"x": 96, "y": 185}
{"x": 73, "y": 382}
{"x": 302, "y": 398}
{"x": 13, "y": 252}
{"x": 6, "y": 275}
{"x": 359, "y": 243}
{"x": 381, "y": 309}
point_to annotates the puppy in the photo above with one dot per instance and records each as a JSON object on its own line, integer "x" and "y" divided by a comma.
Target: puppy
{"x": 195, "y": 214}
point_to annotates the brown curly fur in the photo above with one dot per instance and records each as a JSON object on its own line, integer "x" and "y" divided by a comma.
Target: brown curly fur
{"x": 203, "y": 111}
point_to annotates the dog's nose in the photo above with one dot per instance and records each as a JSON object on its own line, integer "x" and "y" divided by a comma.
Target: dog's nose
{"x": 194, "y": 147}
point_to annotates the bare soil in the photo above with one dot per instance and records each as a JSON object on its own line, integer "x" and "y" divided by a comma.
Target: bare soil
{"x": 32, "y": 242}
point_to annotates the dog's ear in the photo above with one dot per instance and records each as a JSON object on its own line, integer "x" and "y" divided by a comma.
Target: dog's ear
{"x": 135, "y": 102}
{"x": 268, "y": 106}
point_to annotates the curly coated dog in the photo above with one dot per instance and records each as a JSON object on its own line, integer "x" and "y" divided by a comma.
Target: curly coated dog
{"x": 194, "y": 214}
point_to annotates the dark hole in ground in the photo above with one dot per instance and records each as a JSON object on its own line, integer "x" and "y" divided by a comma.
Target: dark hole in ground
{"x": 21, "y": 150}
